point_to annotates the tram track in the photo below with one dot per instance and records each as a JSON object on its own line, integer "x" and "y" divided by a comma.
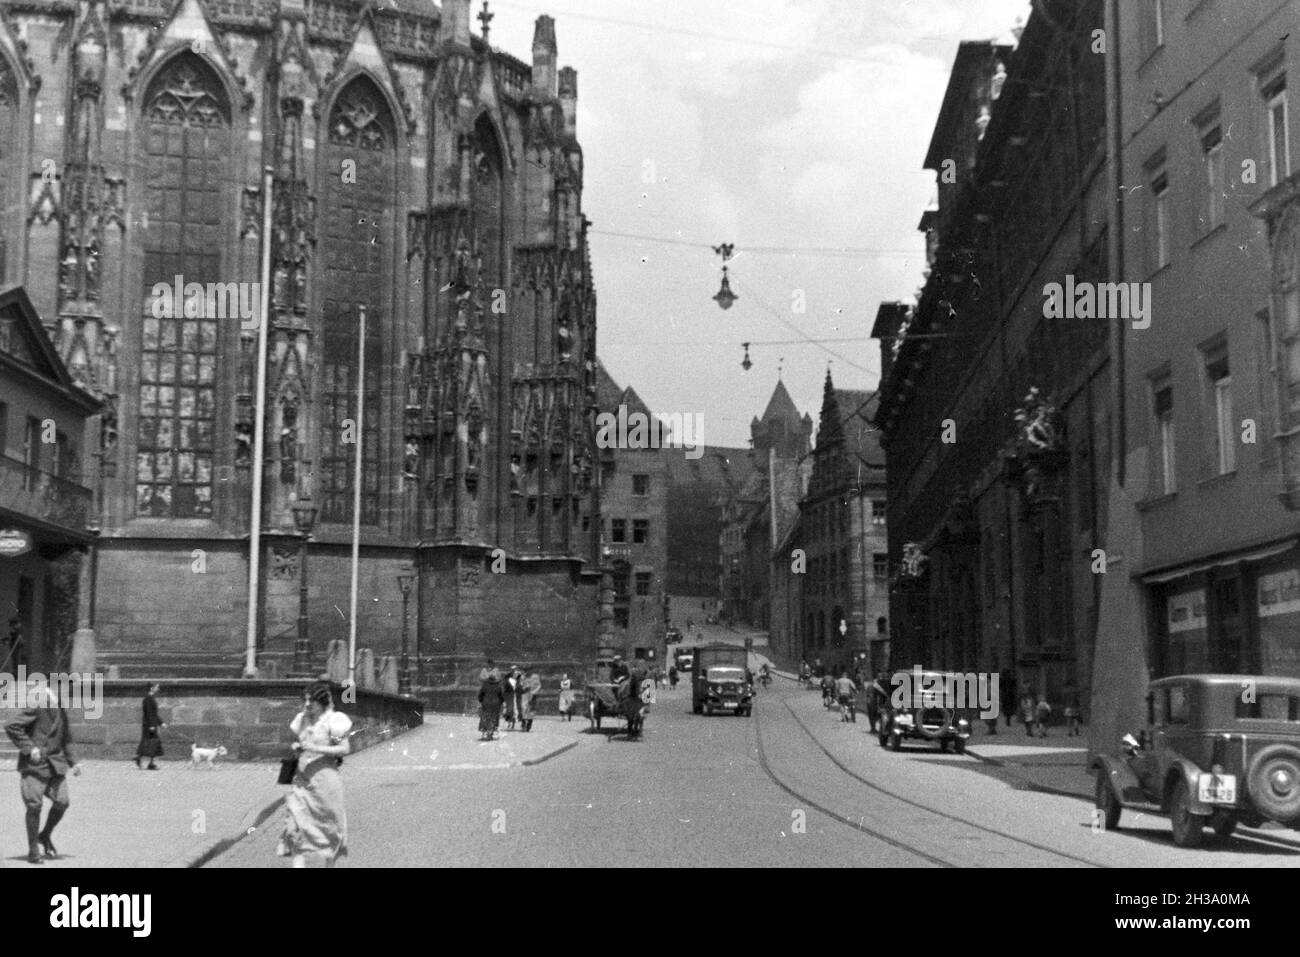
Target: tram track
{"x": 862, "y": 827}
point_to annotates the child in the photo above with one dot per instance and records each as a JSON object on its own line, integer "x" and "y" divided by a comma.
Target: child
{"x": 1041, "y": 713}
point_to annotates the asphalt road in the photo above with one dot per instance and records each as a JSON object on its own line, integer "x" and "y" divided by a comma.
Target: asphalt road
{"x": 790, "y": 786}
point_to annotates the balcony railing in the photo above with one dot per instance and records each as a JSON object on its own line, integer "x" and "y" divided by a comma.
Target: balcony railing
{"x": 40, "y": 495}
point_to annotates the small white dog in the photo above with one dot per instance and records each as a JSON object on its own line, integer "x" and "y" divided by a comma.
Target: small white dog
{"x": 206, "y": 756}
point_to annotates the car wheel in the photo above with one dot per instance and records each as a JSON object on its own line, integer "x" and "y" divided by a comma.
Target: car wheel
{"x": 1106, "y": 803}
{"x": 895, "y": 741}
{"x": 884, "y": 738}
{"x": 697, "y": 709}
{"x": 943, "y": 745}
{"x": 959, "y": 745}
{"x": 1189, "y": 828}
{"x": 1224, "y": 826}
{"x": 1273, "y": 783}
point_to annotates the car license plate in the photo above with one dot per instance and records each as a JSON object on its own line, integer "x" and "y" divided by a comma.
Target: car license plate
{"x": 1218, "y": 788}
{"x": 729, "y": 704}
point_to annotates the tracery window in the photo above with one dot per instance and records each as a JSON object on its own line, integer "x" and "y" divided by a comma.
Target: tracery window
{"x": 356, "y": 215}
{"x": 186, "y": 124}
{"x": 8, "y": 137}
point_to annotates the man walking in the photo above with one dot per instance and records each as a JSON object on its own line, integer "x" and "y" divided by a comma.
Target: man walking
{"x": 42, "y": 737}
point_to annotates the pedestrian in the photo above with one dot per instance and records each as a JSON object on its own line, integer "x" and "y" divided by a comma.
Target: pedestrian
{"x": 42, "y": 736}
{"x": 877, "y": 700}
{"x": 1073, "y": 716}
{"x": 316, "y": 823}
{"x": 1007, "y": 685}
{"x": 845, "y": 690}
{"x": 1027, "y": 713}
{"x": 528, "y": 691}
{"x": 1042, "y": 711}
{"x": 15, "y": 655}
{"x": 489, "y": 668}
{"x": 672, "y": 676}
{"x": 566, "y": 698}
{"x": 150, "y": 745}
{"x": 828, "y": 690}
{"x": 491, "y": 696}
{"x": 510, "y": 688}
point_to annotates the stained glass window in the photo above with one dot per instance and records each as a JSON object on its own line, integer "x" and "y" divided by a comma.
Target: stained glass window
{"x": 187, "y": 141}
{"x": 355, "y": 214}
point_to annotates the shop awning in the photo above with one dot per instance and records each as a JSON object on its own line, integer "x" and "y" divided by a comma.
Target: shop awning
{"x": 1233, "y": 558}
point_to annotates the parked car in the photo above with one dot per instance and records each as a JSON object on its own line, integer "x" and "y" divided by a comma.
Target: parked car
{"x": 685, "y": 659}
{"x": 931, "y": 718}
{"x": 1220, "y": 750}
{"x": 672, "y": 636}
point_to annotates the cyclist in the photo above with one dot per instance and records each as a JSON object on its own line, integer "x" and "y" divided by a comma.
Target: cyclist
{"x": 845, "y": 690}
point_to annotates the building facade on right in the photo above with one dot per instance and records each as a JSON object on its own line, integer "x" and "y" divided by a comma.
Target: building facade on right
{"x": 1211, "y": 214}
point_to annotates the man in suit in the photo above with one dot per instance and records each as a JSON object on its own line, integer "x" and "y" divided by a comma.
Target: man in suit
{"x": 42, "y": 737}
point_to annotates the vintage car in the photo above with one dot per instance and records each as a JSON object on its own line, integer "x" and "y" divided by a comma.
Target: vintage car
{"x": 1220, "y": 750}
{"x": 727, "y": 688}
{"x": 924, "y": 715}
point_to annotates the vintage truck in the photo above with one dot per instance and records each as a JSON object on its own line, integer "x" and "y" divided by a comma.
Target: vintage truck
{"x": 721, "y": 680}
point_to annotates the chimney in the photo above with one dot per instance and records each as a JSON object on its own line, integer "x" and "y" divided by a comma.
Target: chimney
{"x": 544, "y": 57}
{"x": 455, "y": 21}
{"x": 569, "y": 101}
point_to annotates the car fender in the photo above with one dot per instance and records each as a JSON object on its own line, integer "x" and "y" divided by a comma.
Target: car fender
{"x": 1121, "y": 779}
{"x": 1190, "y": 773}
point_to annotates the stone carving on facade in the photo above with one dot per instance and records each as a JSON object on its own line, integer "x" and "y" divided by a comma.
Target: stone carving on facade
{"x": 284, "y": 563}
{"x": 1037, "y": 451}
{"x": 914, "y": 562}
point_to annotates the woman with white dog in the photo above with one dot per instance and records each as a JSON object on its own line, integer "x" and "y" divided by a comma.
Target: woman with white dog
{"x": 317, "y": 823}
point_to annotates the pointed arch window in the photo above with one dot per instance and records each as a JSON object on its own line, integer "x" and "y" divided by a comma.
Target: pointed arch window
{"x": 186, "y": 127}
{"x": 8, "y": 139}
{"x": 356, "y": 213}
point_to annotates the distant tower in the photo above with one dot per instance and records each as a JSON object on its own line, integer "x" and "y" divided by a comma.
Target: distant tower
{"x": 781, "y": 428}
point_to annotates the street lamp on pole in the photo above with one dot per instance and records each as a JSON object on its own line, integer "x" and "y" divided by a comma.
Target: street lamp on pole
{"x": 304, "y": 517}
{"x": 405, "y": 579}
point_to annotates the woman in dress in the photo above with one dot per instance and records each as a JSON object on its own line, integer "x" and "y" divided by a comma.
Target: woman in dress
{"x": 490, "y": 698}
{"x": 150, "y": 743}
{"x": 531, "y": 687}
{"x": 317, "y": 823}
{"x": 566, "y": 698}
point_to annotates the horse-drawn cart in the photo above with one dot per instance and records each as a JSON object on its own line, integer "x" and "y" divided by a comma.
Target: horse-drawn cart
{"x": 610, "y": 696}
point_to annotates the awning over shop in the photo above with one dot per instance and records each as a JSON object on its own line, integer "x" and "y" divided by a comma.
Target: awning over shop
{"x": 1232, "y": 558}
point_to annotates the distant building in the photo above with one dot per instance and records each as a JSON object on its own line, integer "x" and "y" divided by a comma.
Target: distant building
{"x": 634, "y": 495}
{"x": 841, "y": 614}
{"x": 47, "y": 523}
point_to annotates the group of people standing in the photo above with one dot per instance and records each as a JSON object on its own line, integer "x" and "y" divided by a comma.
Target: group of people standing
{"x": 512, "y": 696}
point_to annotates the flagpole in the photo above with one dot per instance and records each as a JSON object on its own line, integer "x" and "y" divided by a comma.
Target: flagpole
{"x": 259, "y": 433}
{"x": 360, "y": 435}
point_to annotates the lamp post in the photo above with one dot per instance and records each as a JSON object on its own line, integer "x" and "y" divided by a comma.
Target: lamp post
{"x": 304, "y": 517}
{"x": 405, "y": 579}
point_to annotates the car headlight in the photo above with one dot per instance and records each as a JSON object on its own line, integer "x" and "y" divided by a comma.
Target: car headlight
{"x": 963, "y": 724}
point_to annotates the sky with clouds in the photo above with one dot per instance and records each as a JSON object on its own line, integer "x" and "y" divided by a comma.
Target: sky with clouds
{"x": 771, "y": 124}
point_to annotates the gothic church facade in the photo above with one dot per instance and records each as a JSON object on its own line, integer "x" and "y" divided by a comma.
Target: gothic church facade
{"x": 419, "y": 176}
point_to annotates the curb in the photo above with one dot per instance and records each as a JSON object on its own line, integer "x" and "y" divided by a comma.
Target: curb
{"x": 533, "y": 762}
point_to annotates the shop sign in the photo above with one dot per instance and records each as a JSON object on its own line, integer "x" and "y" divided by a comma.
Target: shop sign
{"x": 1187, "y": 611}
{"x": 14, "y": 543}
{"x": 1279, "y": 593}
